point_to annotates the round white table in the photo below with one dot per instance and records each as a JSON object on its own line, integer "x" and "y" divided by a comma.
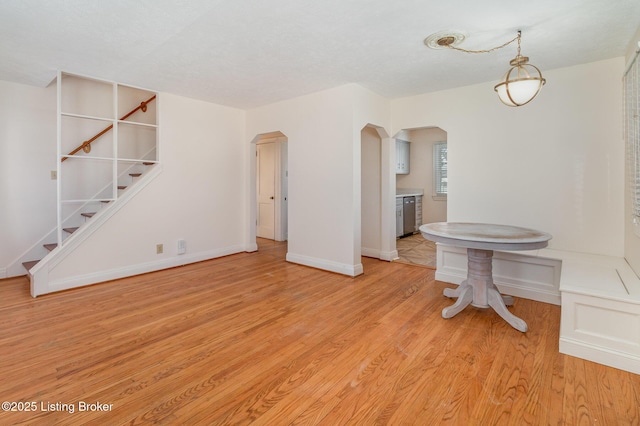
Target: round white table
{"x": 480, "y": 240}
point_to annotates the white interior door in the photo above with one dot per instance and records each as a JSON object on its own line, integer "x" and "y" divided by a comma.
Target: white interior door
{"x": 265, "y": 189}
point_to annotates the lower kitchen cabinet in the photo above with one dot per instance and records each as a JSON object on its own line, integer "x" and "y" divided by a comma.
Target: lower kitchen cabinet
{"x": 399, "y": 217}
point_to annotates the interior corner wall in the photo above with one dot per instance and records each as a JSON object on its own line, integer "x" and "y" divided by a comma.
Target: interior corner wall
{"x": 370, "y": 108}
{"x": 555, "y": 164}
{"x": 27, "y": 157}
{"x": 198, "y": 197}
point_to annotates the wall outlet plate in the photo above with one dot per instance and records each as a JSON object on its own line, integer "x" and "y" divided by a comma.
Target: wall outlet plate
{"x": 159, "y": 248}
{"x": 182, "y": 246}
{"x": 54, "y": 174}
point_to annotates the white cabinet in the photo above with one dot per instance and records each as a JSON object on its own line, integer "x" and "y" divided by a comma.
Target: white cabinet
{"x": 399, "y": 217}
{"x": 402, "y": 157}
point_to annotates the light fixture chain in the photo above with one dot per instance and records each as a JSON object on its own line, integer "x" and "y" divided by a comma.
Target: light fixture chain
{"x": 488, "y": 50}
{"x": 521, "y": 83}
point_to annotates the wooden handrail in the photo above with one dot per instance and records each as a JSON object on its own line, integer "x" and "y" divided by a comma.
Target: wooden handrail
{"x": 87, "y": 143}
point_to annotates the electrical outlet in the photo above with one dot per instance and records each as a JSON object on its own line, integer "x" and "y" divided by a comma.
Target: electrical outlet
{"x": 54, "y": 174}
{"x": 159, "y": 248}
{"x": 182, "y": 246}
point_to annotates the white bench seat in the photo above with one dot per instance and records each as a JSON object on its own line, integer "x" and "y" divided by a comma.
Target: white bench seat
{"x": 600, "y": 316}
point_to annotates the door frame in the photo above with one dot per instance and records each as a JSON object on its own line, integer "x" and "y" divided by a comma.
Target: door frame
{"x": 281, "y": 232}
{"x": 261, "y": 201}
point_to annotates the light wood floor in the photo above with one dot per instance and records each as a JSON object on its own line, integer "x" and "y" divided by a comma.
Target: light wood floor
{"x": 417, "y": 250}
{"x": 251, "y": 338}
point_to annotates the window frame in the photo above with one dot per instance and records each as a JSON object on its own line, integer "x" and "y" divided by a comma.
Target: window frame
{"x": 439, "y": 169}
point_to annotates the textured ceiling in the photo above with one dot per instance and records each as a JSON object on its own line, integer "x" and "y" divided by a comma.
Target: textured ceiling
{"x": 246, "y": 53}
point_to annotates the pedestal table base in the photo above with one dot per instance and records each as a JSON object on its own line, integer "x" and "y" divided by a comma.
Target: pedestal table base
{"x": 480, "y": 291}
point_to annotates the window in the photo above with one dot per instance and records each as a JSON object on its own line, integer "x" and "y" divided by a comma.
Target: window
{"x": 440, "y": 180}
{"x": 632, "y": 137}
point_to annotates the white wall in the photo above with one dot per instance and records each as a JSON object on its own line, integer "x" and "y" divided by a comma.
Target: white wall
{"x": 374, "y": 111}
{"x": 555, "y": 164}
{"x": 27, "y": 156}
{"x": 320, "y": 140}
{"x": 370, "y": 192}
{"x": 198, "y": 197}
{"x": 631, "y": 239}
{"x": 323, "y": 130}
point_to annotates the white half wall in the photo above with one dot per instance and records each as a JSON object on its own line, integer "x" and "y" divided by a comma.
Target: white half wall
{"x": 27, "y": 157}
{"x": 555, "y": 164}
{"x": 198, "y": 197}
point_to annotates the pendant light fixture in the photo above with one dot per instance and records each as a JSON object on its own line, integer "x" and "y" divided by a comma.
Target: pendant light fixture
{"x": 519, "y": 85}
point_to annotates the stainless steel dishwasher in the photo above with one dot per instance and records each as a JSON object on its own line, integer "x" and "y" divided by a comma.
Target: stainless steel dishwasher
{"x": 409, "y": 215}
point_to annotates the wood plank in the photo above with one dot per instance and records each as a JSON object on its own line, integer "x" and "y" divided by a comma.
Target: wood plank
{"x": 252, "y": 338}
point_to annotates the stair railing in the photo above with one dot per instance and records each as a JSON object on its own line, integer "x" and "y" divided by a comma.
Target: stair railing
{"x": 86, "y": 145}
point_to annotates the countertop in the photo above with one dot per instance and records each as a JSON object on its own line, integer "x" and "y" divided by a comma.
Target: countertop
{"x": 409, "y": 192}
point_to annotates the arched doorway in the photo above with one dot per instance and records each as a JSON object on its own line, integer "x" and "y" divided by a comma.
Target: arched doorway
{"x": 426, "y": 179}
{"x": 377, "y": 191}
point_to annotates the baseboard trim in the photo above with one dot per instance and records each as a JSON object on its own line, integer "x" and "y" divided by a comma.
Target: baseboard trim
{"x": 143, "y": 268}
{"x": 340, "y": 268}
{"x": 389, "y": 255}
{"x": 620, "y": 360}
{"x": 379, "y": 254}
{"x": 369, "y": 252}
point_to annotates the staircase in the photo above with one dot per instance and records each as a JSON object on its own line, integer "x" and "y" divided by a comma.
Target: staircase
{"x": 85, "y": 216}
{"x": 107, "y": 145}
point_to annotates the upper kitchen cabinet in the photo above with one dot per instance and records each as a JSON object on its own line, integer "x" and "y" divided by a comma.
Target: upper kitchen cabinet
{"x": 402, "y": 157}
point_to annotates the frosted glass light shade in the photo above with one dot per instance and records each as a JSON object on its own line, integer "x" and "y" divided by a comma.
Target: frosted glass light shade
{"x": 520, "y": 85}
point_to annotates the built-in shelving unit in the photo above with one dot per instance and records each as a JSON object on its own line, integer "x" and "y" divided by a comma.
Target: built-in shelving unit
{"x": 106, "y": 131}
